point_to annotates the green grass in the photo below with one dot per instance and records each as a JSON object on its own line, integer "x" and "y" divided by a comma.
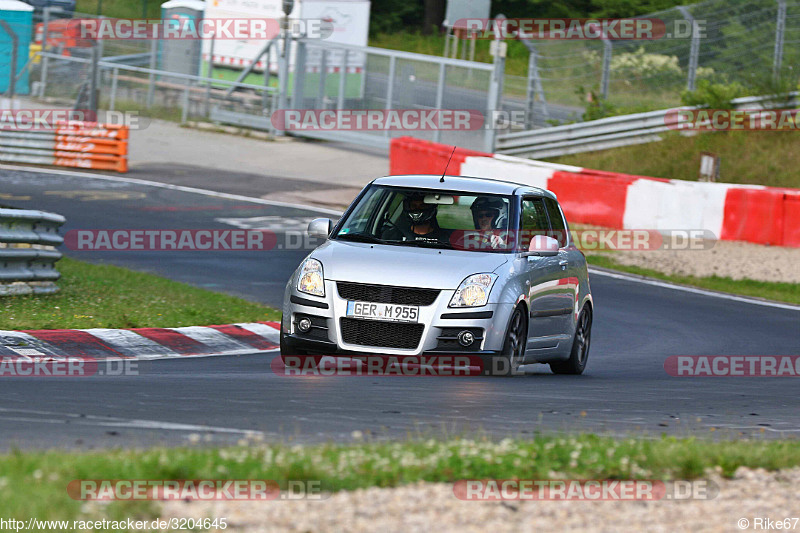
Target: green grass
{"x": 34, "y": 483}
{"x": 123, "y": 9}
{"x": 782, "y": 292}
{"x": 105, "y": 296}
{"x": 763, "y": 158}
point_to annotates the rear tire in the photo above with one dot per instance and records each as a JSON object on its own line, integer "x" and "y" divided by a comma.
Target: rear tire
{"x": 579, "y": 355}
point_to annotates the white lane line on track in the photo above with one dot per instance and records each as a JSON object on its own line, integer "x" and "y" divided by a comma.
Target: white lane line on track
{"x": 237, "y": 197}
{"x": 133, "y": 423}
{"x": 205, "y": 192}
{"x": 693, "y": 290}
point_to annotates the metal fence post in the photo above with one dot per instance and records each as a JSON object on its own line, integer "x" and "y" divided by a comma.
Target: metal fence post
{"x": 780, "y": 27}
{"x": 606, "y": 75}
{"x": 113, "y": 97}
{"x": 93, "y": 74}
{"x": 45, "y": 59}
{"x": 323, "y": 74}
{"x": 534, "y": 92}
{"x": 342, "y": 81}
{"x": 283, "y": 70}
{"x": 151, "y": 86}
{"x": 390, "y": 88}
{"x": 437, "y": 133}
{"x": 210, "y": 72}
{"x": 694, "y": 51}
{"x": 495, "y": 96}
{"x": 298, "y": 92}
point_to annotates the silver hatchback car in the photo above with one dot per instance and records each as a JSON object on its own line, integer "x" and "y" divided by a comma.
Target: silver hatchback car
{"x": 428, "y": 265}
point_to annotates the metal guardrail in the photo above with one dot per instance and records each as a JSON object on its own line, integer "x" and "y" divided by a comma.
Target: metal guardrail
{"x": 28, "y": 254}
{"x": 613, "y": 132}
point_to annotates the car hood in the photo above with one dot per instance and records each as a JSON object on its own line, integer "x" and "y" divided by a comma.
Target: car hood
{"x": 403, "y": 265}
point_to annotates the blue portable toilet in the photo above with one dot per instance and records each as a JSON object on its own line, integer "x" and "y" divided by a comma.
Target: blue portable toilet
{"x": 18, "y": 17}
{"x": 181, "y": 55}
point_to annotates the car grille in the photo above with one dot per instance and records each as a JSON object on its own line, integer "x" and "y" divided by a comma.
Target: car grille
{"x": 381, "y": 334}
{"x": 387, "y": 294}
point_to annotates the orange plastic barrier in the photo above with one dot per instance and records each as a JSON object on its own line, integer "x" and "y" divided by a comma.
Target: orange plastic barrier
{"x": 92, "y": 145}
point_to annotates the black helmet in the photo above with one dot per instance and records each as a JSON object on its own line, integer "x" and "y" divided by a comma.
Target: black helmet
{"x": 419, "y": 216}
{"x": 488, "y": 203}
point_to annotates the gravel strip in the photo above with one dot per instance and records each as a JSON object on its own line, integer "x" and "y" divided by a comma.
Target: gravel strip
{"x": 424, "y": 507}
{"x": 735, "y": 260}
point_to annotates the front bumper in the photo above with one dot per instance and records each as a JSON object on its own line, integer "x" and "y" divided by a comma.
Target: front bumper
{"x": 440, "y": 326}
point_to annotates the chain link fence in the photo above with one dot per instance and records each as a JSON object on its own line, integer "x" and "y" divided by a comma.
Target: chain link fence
{"x": 752, "y": 42}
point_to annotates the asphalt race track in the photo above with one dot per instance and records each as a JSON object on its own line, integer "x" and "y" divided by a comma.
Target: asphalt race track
{"x": 223, "y": 399}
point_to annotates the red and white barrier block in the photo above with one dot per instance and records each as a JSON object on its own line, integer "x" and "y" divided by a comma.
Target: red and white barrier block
{"x": 141, "y": 343}
{"x": 752, "y": 213}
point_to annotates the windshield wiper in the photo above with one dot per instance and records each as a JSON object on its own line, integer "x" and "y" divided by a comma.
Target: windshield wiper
{"x": 360, "y": 237}
{"x": 426, "y": 244}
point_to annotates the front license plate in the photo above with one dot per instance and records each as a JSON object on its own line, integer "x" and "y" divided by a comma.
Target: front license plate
{"x": 385, "y": 312}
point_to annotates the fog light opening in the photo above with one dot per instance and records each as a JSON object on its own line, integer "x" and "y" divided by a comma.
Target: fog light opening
{"x": 466, "y": 338}
{"x": 304, "y": 325}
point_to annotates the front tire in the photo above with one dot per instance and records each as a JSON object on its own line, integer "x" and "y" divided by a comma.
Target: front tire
{"x": 579, "y": 355}
{"x": 303, "y": 361}
{"x": 508, "y": 363}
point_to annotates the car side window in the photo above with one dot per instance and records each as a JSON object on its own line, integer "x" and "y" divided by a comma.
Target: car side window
{"x": 534, "y": 220}
{"x": 557, "y": 224}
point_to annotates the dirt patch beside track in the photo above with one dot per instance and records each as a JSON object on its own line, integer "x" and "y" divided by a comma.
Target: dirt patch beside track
{"x": 423, "y": 507}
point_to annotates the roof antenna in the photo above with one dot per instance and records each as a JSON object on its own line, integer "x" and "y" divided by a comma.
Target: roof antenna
{"x": 448, "y": 165}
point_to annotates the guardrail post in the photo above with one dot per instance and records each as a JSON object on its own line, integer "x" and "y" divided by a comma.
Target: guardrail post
{"x": 780, "y": 27}
{"x": 185, "y": 103}
{"x": 151, "y": 86}
{"x": 694, "y": 50}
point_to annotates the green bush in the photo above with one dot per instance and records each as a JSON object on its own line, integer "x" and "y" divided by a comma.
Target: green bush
{"x": 713, "y": 95}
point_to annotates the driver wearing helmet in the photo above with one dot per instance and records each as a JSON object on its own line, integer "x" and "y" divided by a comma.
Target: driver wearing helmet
{"x": 424, "y": 226}
{"x": 488, "y": 214}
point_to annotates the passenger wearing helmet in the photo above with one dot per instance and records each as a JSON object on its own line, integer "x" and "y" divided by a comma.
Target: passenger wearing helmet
{"x": 488, "y": 214}
{"x": 422, "y": 216}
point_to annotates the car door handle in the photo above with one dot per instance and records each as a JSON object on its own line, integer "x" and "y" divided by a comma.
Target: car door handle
{"x": 563, "y": 263}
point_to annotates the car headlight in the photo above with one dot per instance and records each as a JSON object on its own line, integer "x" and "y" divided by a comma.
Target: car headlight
{"x": 473, "y": 291}
{"x": 311, "y": 279}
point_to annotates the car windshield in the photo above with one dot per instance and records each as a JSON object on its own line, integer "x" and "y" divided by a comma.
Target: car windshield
{"x": 429, "y": 218}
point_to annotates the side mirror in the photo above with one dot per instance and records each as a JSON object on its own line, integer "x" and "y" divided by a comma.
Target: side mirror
{"x": 320, "y": 227}
{"x": 543, "y": 246}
